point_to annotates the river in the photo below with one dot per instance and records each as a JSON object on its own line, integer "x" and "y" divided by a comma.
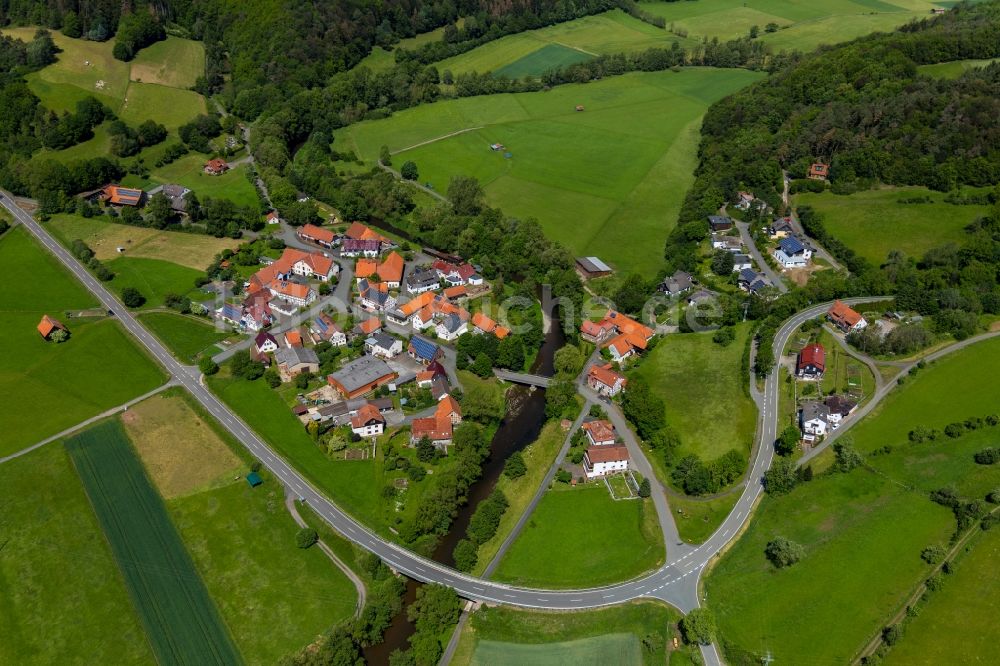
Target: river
{"x": 519, "y": 427}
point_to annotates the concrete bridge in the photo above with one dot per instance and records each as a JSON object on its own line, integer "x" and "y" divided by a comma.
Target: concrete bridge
{"x": 522, "y": 378}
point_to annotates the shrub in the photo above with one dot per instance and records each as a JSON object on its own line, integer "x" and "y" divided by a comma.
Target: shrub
{"x": 208, "y": 366}
{"x": 933, "y": 554}
{"x": 783, "y": 553}
{"x": 698, "y": 626}
{"x": 954, "y": 430}
{"x": 988, "y": 456}
{"x": 644, "y": 489}
{"x": 306, "y": 537}
{"x": 515, "y": 467}
{"x": 272, "y": 378}
{"x": 466, "y": 555}
{"x": 563, "y": 476}
{"x": 132, "y": 298}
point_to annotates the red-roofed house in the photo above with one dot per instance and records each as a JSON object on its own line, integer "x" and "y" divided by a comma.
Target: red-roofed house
{"x": 811, "y": 362}
{"x": 604, "y": 460}
{"x": 818, "y": 171}
{"x": 596, "y": 332}
{"x": 116, "y": 195}
{"x": 390, "y": 271}
{"x": 293, "y": 338}
{"x": 358, "y": 231}
{"x": 265, "y": 343}
{"x": 273, "y": 217}
{"x": 369, "y": 326}
{"x": 455, "y": 293}
{"x": 605, "y": 381}
{"x": 438, "y": 430}
{"x": 845, "y": 317}
{"x": 311, "y": 233}
{"x": 47, "y": 326}
{"x": 216, "y": 167}
{"x": 448, "y": 408}
{"x": 368, "y": 422}
{"x": 599, "y": 432}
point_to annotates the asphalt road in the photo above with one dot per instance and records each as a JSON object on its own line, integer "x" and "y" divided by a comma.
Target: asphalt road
{"x": 675, "y": 582}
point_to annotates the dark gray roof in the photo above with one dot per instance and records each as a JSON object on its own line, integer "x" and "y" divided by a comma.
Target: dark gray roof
{"x": 295, "y": 355}
{"x": 791, "y": 245}
{"x": 452, "y": 323}
{"x": 677, "y": 283}
{"x": 720, "y": 221}
{"x": 593, "y": 265}
{"x": 748, "y": 275}
{"x": 439, "y": 387}
{"x": 812, "y": 410}
{"x": 381, "y": 339}
{"x": 361, "y": 372}
{"x": 422, "y": 278}
{"x": 841, "y": 404}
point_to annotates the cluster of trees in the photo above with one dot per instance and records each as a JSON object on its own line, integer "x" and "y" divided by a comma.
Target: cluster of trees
{"x": 434, "y": 613}
{"x": 966, "y": 511}
{"x": 126, "y": 141}
{"x": 62, "y": 131}
{"x": 17, "y": 55}
{"x": 83, "y": 252}
{"x": 783, "y": 552}
{"x": 136, "y": 30}
{"x": 695, "y": 477}
{"x": 481, "y": 353}
{"x": 482, "y": 526}
{"x": 197, "y": 133}
{"x": 902, "y": 340}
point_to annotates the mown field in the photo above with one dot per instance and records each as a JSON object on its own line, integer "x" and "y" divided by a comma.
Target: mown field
{"x": 186, "y": 336}
{"x": 872, "y": 524}
{"x": 152, "y": 277}
{"x": 608, "y": 181}
{"x": 174, "y": 62}
{"x": 48, "y": 531}
{"x": 953, "y": 68}
{"x": 188, "y": 171}
{"x": 49, "y": 387}
{"x": 702, "y": 384}
{"x": 510, "y": 636}
{"x": 194, "y": 251}
{"x": 958, "y": 624}
{"x": 180, "y": 619}
{"x": 873, "y": 223}
{"x": 580, "y": 535}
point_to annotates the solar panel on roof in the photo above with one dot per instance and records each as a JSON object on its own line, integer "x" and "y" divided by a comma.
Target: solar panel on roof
{"x": 791, "y": 245}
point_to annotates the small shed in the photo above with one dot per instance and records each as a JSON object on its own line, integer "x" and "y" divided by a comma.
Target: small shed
{"x": 579, "y": 107}
{"x": 253, "y": 478}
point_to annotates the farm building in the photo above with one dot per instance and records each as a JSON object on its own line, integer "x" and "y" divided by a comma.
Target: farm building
{"x": 592, "y": 267}
{"x": 818, "y": 171}
{"x": 216, "y": 167}
{"x": 360, "y": 376}
{"x": 845, "y": 317}
{"x": 47, "y": 326}
{"x": 116, "y": 195}
{"x": 604, "y": 460}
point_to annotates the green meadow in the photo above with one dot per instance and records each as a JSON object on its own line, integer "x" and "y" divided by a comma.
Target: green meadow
{"x": 49, "y": 530}
{"x": 703, "y": 387}
{"x": 186, "y": 336}
{"x": 49, "y": 387}
{"x": 153, "y": 278}
{"x": 953, "y": 68}
{"x": 607, "y": 181}
{"x": 872, "y": 223}
{"x": 561, "y": 544}
{"x": 863, "y": 531}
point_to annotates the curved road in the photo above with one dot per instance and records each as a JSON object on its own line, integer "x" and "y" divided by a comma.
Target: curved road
{"x": 676, "y": 582}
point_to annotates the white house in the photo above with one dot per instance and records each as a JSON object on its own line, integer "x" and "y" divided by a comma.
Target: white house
{"x": 791, "y": 253}
{"x": 599, "y": 432}
{"x": 741, "y": 262}
{"x": 604, "y": 380}
{"x": 450, "y": 327}
{"x": 265, "y": 343}
{"x": 298, "y": 295}
{"x": 383, "y": 345}
{"x": 604, "y": 460}
{"x": 814, "y": 419}
{"x": 368, "y": 422}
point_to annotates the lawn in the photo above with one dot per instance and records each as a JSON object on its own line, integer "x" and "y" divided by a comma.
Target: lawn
{"x": 703, "y": 386}
{"x": 274, "y": 596}
{"x": 862, "y": 536}
{"x": 505, "y": 635}
{"x": 698, "y": 519}
{"x": 866, "y": 523}
{"x": 153, "y": 278}
{"x": 538, "y": 456}
{"x": 48, "y": 387}
{"x": 188, "y": 171}
{"x": 619, "y": 169}
{"x": 353, "y": 484}
{"x": 185, "y": 335}
{"x": 958, "y": 623}
{"x": 194, "y": 251}
{"x": 174, "y": 62}
{"x": 182, "y": 454}
{"x": 180, "y": 619}
{"x": 48, "y": 531}
{"x": 171, "y": 107}
{"x": 873, "y": 223}
{"x": 580, "y": 537}
{"x": 953, "y": 68}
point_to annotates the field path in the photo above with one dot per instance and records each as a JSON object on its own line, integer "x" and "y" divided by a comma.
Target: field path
{"x": 438, "y": 138}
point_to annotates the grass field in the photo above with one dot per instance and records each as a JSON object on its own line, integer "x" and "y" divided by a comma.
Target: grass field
{"x": 964, "y": 611}
{"x": 191, "y": 250}
{"x": 353, "y": 484}
{"x": 48, "y": 531}
{"x": 697, "y": 520}
{"x": 182, "y": 454}
{"x": 187, "y": 337}
{"x": 274, "y": 597}
{"x": 954, "y": 68}
{"x": 181, "y": 621}
{"x": 535, "y": 51}
{"x": 174, "y": 62}
{"x": 171, "y": 107}
{"x": 873, "y": 222}
{"x": 581, "y": 537}
{"x": 864, "y": 523}
{"x": 702, "y": 385}
{"x": 510, "y": 636}
{"x": 538, "y": 456}
{"x": 49, "y": 387}
{"x": 608, "y": 181}
{"x": 153, "y": 278}
{"x": 187, "y": 171}
{"x": 804, "y": 25}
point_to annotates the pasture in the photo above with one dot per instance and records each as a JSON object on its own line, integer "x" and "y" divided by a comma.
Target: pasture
{"x": 171, "y": 107}
{"x": 703, "y": 386}
{"x": 872, "y": 223}
{"x": 181, "y": 621}
{"x": 186, "y": 336}
{"x": 607, "y": 181}
{"x": 869, "y": 523}
{"x": 104, "y": 237}
{"x": 181, "y": 453}
{"x": 964, "y": 610}
{"x": 581, "y": 537}
{"x": 49, "y": 531}
{"x": 174, "y": 62}
{"x": 187, "y": 171}
{"x": 504, "y": 635}
{"x": 49, "y": 387}
{"x": 697, "y": 519}
{"x": 953, "y": 68}
{"x": 153, "y": 278}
